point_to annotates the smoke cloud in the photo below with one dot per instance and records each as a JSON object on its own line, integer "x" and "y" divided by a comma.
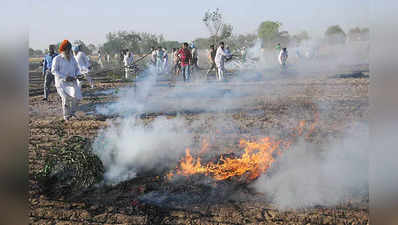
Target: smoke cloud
{"x": 309, "y": 175}
{"x": 128, "y": 146}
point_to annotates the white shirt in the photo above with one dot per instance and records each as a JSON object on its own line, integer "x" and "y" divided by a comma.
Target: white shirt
{"x": 154, "y": 54}
{"x": 282, "y": 56}
{"x": 128, "y": 59}
{"x": 220, "y": 56}
{"x": 62, "y": 68}
{"x": 82, "y": 62}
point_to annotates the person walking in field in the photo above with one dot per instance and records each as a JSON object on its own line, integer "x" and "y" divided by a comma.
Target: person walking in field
{"x": 185, "y": 58}
{"x": 283, "y": 57}
{"x": 221, "y": 55}
{"x": 211, "y": 57}
{"x": 48, "y": 76}
{"x": 159, "y": 60}
{"x": 83, "y": 64}
{"x": 66, "y": 70}
{"x": 153, "y": 56}
{"x": 128, "y": 61}
{"x": 165, "y": 61}
{"x": 195, "y": 61}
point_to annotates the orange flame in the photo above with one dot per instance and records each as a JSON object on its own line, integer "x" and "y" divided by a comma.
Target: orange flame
{"x": 257, "y": 158}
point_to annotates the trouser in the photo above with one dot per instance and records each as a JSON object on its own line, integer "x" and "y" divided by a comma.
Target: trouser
{"x": 69, "y": 104}
{"x": 220, "y": 69}
{"x": 186, "y": 72}
{"x": 176, "y": 68}
{"x": 159, "y": 66}
{"x": 48, "y": 79}
{"x": 212, "y": 67}
{"x": 127, "y": 73}
{"x": 166, "y": 66}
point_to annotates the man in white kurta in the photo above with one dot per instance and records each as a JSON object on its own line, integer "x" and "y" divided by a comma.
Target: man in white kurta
{"x": 128, "y": 61}
{"x": 84, "y": 65}
{"x": 220, "y": 60}
{"x": 65, "y": 70}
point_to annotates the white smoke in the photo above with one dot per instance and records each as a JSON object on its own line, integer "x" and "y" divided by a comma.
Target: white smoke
{"x": 309, "y": 175}
{"x": 129, "y": 146}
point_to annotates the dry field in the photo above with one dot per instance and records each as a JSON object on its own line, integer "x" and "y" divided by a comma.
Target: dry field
{"x": 329, "y": 105}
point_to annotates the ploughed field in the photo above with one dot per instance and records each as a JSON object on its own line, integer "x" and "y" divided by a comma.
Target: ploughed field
{"x": 326, "y": 105}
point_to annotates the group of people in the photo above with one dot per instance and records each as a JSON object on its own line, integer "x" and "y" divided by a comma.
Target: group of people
{"x": 71, "y": 66}
{"x": 185, "y": 60}
{"x": 68, "y": 69}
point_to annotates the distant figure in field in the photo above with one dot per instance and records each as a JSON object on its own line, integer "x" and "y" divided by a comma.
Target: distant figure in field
{"x": 283, "y": 57}
{"x": 83, "y": 64}
{"x": 100, "y": 59}
{"x": 66, "y": 70}
{"x": 159, "y": 60}
{"x": 48, "y": 76}
{"x": 128, "y": 61}
{"x": 221, "y": 55}
{"x": 195, "y": 62}
{"x": 165, "y": 61}
{"x": 211, "y": 57}
{"x": 243, "y": 53}
{"x": 153, "y": 56}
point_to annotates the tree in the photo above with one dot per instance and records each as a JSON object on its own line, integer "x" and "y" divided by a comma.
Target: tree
{"x": 268, "y": 32}
{"x": 300, "y": 37}
{"x": 215, "y": 24}
{"x": 139, "y": 43}
{"x": 335, "y": 35}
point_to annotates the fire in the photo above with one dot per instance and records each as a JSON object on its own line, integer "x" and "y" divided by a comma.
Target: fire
{"x": 256, "y": 159}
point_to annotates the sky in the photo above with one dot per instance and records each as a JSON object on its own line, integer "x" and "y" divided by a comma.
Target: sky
{"x": 52, "y": 21}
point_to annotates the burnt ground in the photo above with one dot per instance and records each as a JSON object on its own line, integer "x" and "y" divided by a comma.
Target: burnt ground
{"x": 151, "y": 198}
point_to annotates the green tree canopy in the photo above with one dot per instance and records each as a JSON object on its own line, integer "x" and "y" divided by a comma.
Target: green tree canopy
{"x": 335, "y": 35}
{"x": 269, "y": 33}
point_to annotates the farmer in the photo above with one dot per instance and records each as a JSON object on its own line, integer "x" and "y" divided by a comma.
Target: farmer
{"x": 283, "y": 57}
{"x": 65, "y": 70}
{"x": 128, "y": 61}
{"x": 165, "y": 61}
{"x": 159, "y": 60}
{"x": 243, "y": 52}
{"x": 211, "y": 56}
{"x": 83, "y": 64}
{"x": 220, "y": 59}
{"x": 153, "y": 56}
{"x": 48, "y": 76}
{"x": 194, "y": 57}
{"x": 185, "y": 58}
{"x": 100, "y": 59}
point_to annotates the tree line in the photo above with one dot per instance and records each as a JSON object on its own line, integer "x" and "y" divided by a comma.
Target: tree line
{"x": 268, "y": 32}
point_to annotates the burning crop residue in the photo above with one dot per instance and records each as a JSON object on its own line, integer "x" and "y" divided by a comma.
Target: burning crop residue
{"x": 256, "y": 159}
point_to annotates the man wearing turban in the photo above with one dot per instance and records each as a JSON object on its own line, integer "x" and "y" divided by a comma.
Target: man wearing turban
{"x": 66, "y": 70}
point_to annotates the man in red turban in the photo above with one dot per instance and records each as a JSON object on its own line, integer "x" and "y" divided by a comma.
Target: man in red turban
{"x": 65, "y": 70}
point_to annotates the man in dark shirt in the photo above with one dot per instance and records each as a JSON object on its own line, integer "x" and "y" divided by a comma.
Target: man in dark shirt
{"x": 48, "y": 76}
{"x": 185, "y": 57}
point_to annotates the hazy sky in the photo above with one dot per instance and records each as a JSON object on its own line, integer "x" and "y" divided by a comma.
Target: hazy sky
{"x": 88, "y": 20}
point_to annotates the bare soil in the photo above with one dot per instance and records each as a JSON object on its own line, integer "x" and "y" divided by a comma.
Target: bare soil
{"x": 151, "y": 199}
